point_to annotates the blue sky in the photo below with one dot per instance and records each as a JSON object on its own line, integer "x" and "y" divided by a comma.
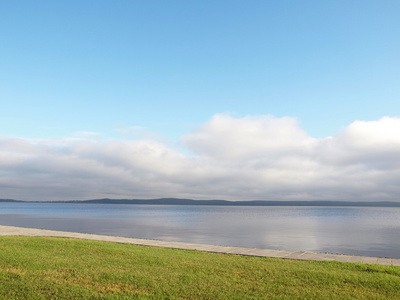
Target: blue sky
{"x": 161, "y": 71}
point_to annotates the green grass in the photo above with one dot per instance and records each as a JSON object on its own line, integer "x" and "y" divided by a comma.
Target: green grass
{"x": 64, "y": 268}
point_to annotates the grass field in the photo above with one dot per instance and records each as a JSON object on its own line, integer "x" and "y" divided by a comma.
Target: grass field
{"x": 65, "y": 268}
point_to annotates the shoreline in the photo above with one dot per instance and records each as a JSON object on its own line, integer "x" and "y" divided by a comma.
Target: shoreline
{"x": 283, "y": 254}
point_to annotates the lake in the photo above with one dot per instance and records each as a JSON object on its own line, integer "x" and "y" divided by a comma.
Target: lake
{"x": 366, "y": 231}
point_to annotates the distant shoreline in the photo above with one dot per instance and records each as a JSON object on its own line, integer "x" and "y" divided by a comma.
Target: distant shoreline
{"x": 177, "y": 201}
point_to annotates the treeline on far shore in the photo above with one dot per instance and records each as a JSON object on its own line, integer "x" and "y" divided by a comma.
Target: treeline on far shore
{"x": 177, "y": 201}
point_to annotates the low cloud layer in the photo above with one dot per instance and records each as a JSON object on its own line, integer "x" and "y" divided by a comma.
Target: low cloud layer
{"x": 255, "y": 157}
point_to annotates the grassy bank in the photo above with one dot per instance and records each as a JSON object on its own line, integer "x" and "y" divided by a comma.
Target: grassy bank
{"x": 63, "y": 268}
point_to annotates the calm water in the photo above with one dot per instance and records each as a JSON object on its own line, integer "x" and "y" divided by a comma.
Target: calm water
{"x": 344, "y": 230}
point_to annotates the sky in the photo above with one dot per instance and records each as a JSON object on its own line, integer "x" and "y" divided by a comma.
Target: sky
{"x": 235, "y": 100}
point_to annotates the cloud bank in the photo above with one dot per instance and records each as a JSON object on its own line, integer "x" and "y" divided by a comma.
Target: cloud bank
{"x": 255, "y": 157}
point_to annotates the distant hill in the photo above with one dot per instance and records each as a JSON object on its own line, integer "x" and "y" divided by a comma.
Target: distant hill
{"x": 177, "y": 201}
{"x": 9, "y": 200}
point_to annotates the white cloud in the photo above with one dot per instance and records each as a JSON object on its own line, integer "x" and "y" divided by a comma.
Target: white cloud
{"x": 255, "y": 157}
{"x": 266, "y": 137}
{"x": 371, "y": 145}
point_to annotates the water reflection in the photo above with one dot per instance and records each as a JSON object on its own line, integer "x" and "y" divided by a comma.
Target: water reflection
{"x": 354, "y": 231}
